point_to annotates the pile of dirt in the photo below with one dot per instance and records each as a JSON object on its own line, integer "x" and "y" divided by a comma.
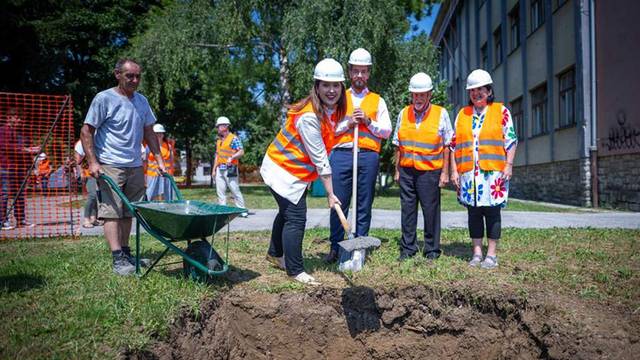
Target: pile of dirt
{"x": 410, "y": 323}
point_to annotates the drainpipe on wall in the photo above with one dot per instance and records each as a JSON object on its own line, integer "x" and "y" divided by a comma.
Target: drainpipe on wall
{"x": 593, "y": 146}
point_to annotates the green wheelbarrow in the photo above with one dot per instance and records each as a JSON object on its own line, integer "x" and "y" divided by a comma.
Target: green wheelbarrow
{"x": 182, "y": 220}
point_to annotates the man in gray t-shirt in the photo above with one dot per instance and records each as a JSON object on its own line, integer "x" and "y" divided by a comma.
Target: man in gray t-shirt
{"x": 116, "y": 123}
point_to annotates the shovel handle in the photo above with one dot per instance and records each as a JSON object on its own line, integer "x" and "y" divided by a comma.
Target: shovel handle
{"x": 343, "y": 219}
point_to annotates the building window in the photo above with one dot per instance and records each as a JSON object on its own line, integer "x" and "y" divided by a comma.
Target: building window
{"x": 497, "y": 45}
{"x": 483, "y": 56}
{"x": 539, "y": 110}
{"x": 537, "y": 14}
{"x": 514, "y": 21}
{"x": 558, "y": 3}
{"x": 517, "y": 114}
{"x": 567, "y": 82}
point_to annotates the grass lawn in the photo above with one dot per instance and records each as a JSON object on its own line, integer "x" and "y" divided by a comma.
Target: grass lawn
{"x": 60, "y": 299}
{"x": 259, "y": 197}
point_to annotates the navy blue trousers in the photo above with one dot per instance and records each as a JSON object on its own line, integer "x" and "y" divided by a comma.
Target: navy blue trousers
{"x": 418, "y": 186}
{"x": 342, "y": 176}
{"x": 288, "y": 232}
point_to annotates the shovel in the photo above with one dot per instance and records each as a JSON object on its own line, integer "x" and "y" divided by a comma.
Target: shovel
{"x": 353, "y": 251}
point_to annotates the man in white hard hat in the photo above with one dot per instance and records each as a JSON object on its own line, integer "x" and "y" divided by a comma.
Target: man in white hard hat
{"x": 422, "y": 136}
{"x": 368, "y": 112}
{"x": 159, "y": 187}
{"x": 225, "y": 166}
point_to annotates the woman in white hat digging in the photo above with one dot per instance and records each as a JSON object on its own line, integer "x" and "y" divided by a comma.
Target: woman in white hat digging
{"x": 296, "y": 157}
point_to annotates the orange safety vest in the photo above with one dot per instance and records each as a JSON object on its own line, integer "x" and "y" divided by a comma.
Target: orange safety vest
{"x": 224, "y": 150}
{"x": 491, "y": 153}
{"x": 366, "y": 140}
{"x": 288, "y": 151}
{"x": 152, "y": 165}
{"x": 421, "y": 147}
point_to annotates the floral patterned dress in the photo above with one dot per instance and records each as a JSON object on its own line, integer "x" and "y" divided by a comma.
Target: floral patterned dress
{"x": 485, "y": 188}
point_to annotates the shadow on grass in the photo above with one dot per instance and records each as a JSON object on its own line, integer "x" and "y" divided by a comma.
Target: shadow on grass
{"x": 20, "y": 282}
{"x": 459, "y": 249}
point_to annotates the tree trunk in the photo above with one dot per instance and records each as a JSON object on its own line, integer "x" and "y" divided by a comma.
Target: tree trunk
{"x": 284, "y": 83}
{"x": 189, "y": 163}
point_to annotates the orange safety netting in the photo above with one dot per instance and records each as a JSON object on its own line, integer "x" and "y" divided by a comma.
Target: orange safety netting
{"x": 40, "y": 190}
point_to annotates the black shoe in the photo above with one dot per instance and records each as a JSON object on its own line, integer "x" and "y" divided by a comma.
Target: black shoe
{"x": 404, "y": 257}
{"x": 144, "y": 262}
{"x": 432, "y": 255}
{"x": 331, "y": 257}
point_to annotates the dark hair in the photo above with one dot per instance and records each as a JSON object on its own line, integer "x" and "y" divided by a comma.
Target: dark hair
{"x": 490, "y": 99}
{"x": 120, "y": 63}
{"x": 317, "y": 103}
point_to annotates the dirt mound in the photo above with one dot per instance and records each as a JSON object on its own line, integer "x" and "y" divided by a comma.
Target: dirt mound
{"x": 410, "y": 323}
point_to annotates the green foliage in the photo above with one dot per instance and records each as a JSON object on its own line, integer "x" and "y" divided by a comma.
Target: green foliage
{"x": 246, "y": 60}
{"x": 66, "y": 46}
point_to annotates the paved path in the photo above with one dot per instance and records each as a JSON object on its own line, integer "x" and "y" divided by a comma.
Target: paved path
{"x": 390, "y": 219}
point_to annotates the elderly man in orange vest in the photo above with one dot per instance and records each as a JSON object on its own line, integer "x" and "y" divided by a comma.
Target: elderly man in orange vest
{"x": 422, "y": 136}
{"x": 368, "y": 111}
{"x": 225, "y": 166}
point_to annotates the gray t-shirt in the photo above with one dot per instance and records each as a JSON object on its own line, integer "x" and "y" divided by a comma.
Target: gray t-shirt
{"x": 119, "y": 123}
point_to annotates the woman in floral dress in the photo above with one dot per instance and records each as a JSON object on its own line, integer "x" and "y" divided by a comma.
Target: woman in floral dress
{"x": 482, "y": 153}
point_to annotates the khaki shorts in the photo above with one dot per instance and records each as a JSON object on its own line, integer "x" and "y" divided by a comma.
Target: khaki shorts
{"x": 130, "y": 181}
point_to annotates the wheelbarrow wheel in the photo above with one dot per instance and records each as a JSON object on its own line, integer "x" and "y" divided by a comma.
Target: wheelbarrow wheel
{"x": 202, "y": 252}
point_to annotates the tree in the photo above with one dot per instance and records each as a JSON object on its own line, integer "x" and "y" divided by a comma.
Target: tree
{"x": 66, "y": 46}
{"x": 251, "y": 58}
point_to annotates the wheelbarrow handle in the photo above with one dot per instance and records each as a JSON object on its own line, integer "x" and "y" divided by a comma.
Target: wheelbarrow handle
{"x": 119, "y": 192}
{"x": 173, "y": 185}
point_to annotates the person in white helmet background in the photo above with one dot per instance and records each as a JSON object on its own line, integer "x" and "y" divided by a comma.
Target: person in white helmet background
{"x": 422, "y": 136}
{"x": 225, "y": 165}
{"x": 159, "y": 187}
{"x": 368, "y": 111}
{"x": 483, "y": 149}
{"x": 296, "y": 157}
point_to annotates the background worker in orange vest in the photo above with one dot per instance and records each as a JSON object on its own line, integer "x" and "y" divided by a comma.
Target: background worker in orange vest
{"x": 91, "y": 206}
{"x": 422, "y": 135}
{"x": 368, "y": 111}
{"x": 225, "y": 166}
{"x": 43, "y": 171}
{"x": 296, "y": 157}
{"x": 484, "y": 146}
{"x": 159, "y": 187}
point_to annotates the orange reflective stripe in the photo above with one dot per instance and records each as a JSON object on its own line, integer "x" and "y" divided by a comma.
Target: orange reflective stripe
{"x": 491, "y": 153}
{"x": 224, "y": 150}
{"x": 421, "y": 147}
{"x": 288, "y": 151}
{"x": 366, "y": 140}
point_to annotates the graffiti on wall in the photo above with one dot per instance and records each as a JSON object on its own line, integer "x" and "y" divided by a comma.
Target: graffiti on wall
{"x": 622, "y": 136}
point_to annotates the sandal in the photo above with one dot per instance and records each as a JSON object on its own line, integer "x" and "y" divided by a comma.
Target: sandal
{"x": 98, "y": 223}
{"x": 490, "y": 262}
{"x": 475, "y": 261}
{"x": 87, "y": 225}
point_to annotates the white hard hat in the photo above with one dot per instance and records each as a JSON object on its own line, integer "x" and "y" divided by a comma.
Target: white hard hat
{"x": 360, "y": 56}
{"x": 328, "y": 70}
{"x": 420, "y": 82}
{"x": 42, "y": 156}
{"x": 223, "y": 120}
{"x": 478, "y": 78}
{"x": 159, "y": 128}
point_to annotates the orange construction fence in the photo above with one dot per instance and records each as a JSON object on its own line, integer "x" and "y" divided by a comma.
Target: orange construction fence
{"x": 41, "y": 195}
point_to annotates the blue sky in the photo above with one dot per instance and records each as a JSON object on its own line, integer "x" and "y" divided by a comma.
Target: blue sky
{"x": 425, "y": 24}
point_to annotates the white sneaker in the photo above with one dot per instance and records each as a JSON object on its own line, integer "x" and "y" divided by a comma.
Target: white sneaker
{"x": 307, "y": 279}
{"x": 7, "y": 226}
